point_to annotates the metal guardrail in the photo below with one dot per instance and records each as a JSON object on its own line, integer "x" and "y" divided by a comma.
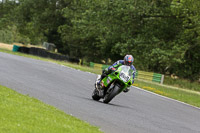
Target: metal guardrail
{"x": 98, "y": 66}
{"x": 150, "y": 76}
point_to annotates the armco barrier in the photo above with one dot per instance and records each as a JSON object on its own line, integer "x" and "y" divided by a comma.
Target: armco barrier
{"x": 43, "y": 53}
{"x": 24, "y": 50}
{"x": 98, "y": 66}
{"x": 149, "y": 76}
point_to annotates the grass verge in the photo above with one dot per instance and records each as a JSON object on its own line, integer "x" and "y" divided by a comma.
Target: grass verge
{"x": 184, "y": 95}
{"x": 20, "y": 113}
{"x": 182, "y": 83}
{"x": 187, "y": 96}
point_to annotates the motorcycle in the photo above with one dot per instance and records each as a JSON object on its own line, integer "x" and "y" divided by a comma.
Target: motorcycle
{"x": 113, "y": 84}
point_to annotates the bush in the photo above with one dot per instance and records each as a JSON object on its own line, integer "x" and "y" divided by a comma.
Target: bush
{"x": 11, "y": 35}
{"x": 6, "y": 36}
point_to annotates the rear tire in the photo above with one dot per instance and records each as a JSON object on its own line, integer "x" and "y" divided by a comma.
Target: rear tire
{"x": 110, "y": 95}
{"x": 95, "y": 95}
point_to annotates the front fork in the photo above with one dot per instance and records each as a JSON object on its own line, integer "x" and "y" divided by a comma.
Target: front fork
{"x": 109, "y": 89}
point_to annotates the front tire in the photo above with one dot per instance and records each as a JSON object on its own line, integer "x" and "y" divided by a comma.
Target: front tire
{"x": 111, "y": 94}
{"x": 95, "y": 95}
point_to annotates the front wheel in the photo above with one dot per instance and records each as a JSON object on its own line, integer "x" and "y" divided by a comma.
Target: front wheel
{"x": 111, "y": 93}
{"x": 95, "y": 95}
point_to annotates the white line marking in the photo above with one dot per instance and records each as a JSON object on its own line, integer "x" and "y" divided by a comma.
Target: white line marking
{"x": 167, "y": 97}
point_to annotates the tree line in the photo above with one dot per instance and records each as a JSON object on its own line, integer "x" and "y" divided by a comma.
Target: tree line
{"x": 162, "y": 35}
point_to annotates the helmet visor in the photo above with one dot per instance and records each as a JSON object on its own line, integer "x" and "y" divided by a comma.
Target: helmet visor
{"x": 129, "y": 63}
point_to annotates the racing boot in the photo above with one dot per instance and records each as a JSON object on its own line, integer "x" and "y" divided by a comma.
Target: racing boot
{"x": 126, "y": 90}
{"x": 98, "y": 86}
{"x": 97, "y": 83}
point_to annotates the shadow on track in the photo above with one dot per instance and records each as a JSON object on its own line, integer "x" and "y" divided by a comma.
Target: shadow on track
{"x": 109, "y": 104}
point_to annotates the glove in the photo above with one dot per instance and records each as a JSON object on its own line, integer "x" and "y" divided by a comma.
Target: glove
{"x": 126, "y": 90}
{"x": 113, "y": 69}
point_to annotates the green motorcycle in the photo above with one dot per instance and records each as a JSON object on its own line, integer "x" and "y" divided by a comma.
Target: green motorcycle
{"x": 113, "y": 84}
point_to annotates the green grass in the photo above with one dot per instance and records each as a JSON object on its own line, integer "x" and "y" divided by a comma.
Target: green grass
{"x": 23, "y": 114}
{"x": 187, "y": 96}
{"x": 182, "y": 83}
{"x": 175, "y": 92}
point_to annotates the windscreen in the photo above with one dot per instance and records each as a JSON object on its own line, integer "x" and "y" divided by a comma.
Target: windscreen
{"x": 126, "y": 73}
{"x": 127, "y": 70}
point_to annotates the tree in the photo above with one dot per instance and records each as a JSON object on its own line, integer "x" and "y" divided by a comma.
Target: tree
{"x": 162, "y": 35}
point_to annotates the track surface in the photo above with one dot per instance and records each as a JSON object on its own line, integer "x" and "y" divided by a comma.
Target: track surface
{"x": 70, "y": 90}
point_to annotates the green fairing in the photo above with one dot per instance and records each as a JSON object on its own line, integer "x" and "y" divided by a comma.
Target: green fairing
{"x": 115, "y": 76}
{"x": 117, "y": 65}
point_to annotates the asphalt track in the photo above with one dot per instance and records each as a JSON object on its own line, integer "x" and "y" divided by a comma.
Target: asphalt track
{"x": 70, "y": 90}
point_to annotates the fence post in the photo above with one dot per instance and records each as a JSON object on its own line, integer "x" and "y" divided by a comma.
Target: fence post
{"x": 92, "y": 64}
{"x": 162, "y": 79}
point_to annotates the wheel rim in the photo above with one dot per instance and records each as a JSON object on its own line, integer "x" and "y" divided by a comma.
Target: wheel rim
{"x": 108, "y": 92}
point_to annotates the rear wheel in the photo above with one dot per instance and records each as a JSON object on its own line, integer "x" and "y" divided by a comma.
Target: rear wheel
{"x": 95, "y": 95}
{"x": 111, "y": 93}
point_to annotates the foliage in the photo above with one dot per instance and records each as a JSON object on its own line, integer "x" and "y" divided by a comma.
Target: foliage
{"x": 11, "y": 35}
{"x": 162, "y": 35}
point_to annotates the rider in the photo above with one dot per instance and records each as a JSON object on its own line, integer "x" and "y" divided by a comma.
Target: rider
{"x": 128, "y": 60}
